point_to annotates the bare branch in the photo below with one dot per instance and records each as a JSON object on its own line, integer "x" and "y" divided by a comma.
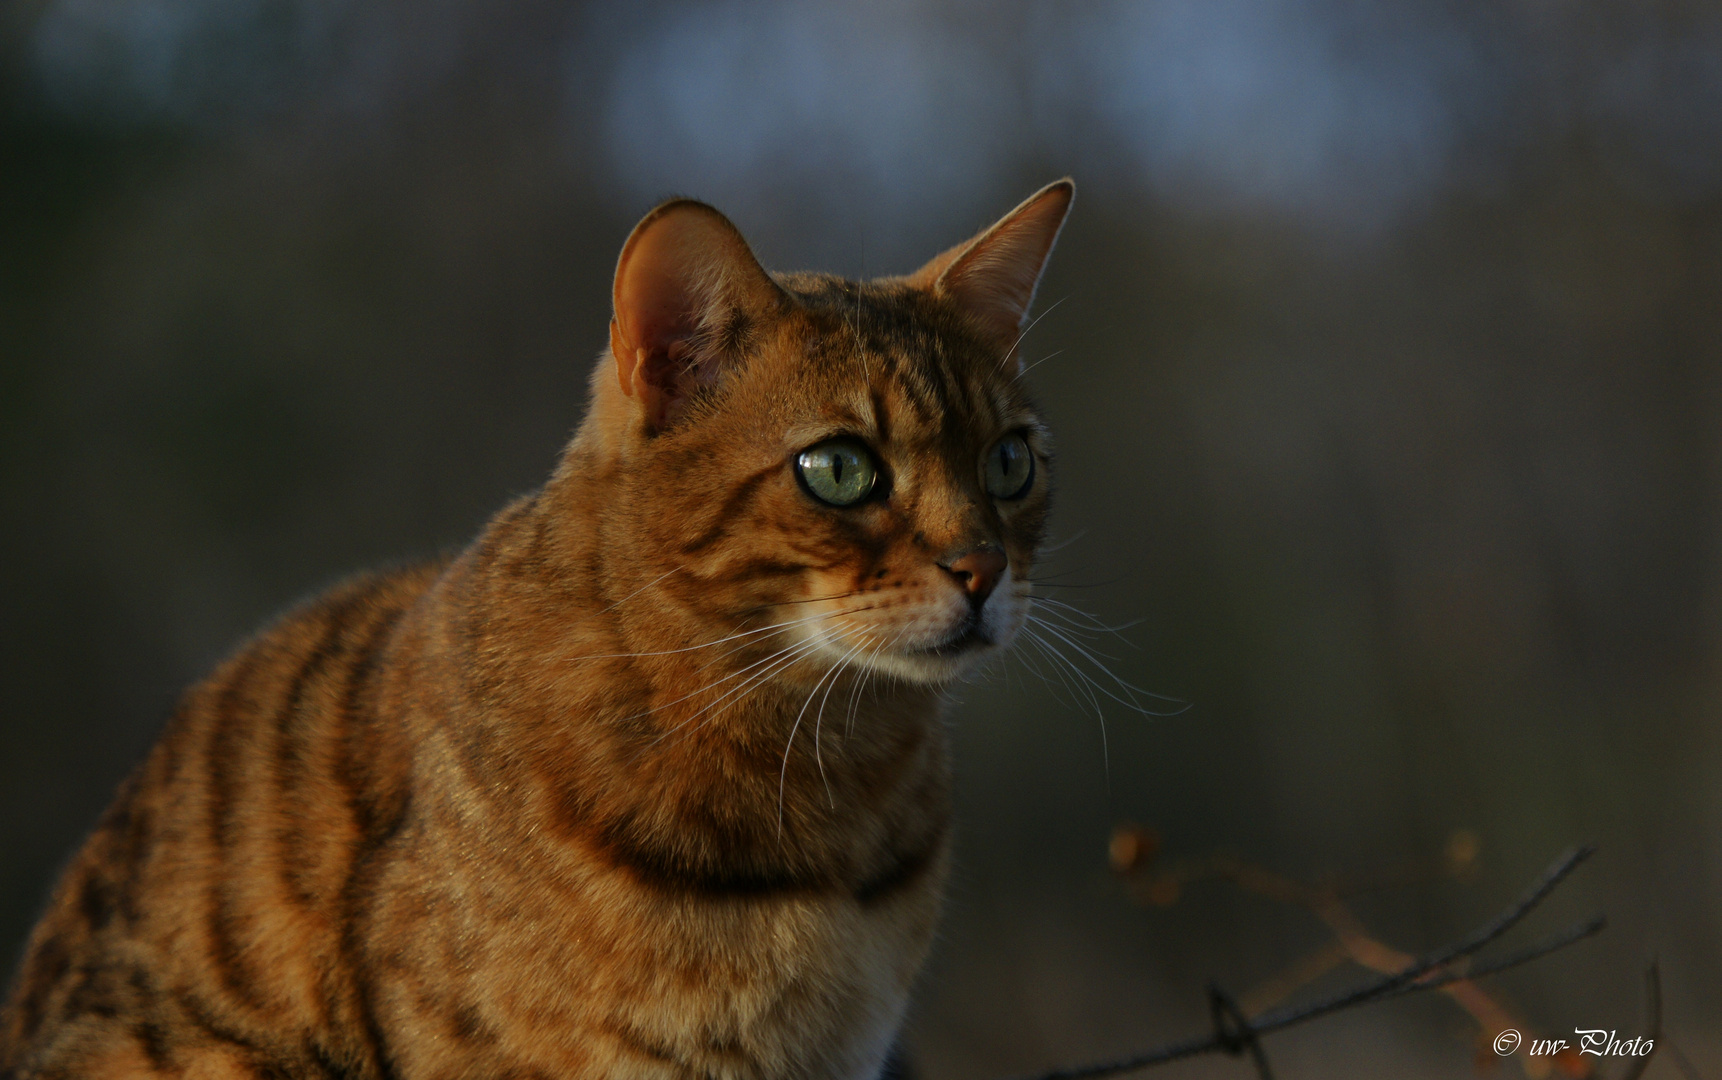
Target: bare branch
{"x": 1511, "y": 960}
{"x": 1235, "y": 1034}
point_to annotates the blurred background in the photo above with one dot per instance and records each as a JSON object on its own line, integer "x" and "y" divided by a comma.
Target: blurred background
{"x": 1384, "y": 362}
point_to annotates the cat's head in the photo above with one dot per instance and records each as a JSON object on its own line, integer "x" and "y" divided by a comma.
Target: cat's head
{"x": 851, "y": 470}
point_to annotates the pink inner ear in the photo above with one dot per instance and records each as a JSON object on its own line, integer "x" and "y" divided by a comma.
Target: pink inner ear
{"x": 684, "y": 269}
{"x": 666, "y": 368}
{"x": 656, "y": 298}
{"x": 995, "y": 277}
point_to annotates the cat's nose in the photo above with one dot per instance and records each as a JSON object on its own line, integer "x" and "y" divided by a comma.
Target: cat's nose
{"x": 978, "y": 572}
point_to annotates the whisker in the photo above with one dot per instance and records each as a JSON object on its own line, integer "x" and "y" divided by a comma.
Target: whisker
{"x": 790, "y": 658}
{"x": 816, "y": 599}
{"x": 726, "y": 678}
{"x": 1081, "y": 622}
{"x": 818, "y": 719}
{"x": 1099, "y": 713}
{"x": 870, "y": 673}
{"x": 1061, "y": 665}
{"x": 643, "y": 588}
{"x": 805, "y": 648}
{"x": 1036, "y": 322}
{"x": 769, "y": 666}
{"x": 1089, "y": 616}
{"x": 1050, "y": 581}
{"x": 774, "y": 663}
{"x": 707, "y": 645}
{"x": 1062, "y": 544}
{"x": 1034, "y": 668}
{"x": 1070, "y": 635}
{"x": 797, "y": 622}
{"x": 1073, "y": 703}
{"x": 1030, "y": 367}
{"x": 1128, "y": 688}
{"x": 783, "y": 773}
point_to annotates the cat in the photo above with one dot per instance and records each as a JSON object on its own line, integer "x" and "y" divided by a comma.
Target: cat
{"x": 649, "y": 781}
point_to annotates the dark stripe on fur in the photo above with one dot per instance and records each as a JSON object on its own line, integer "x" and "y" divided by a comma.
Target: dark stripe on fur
{"x": 223, "y": 917}
{"x": 726, "y": 516}
{"x": 904, "y": 871}
{"x": 377, "y": 827}
{"x": 638, "y": 1042}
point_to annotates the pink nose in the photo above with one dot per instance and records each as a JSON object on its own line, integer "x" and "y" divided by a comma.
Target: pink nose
{"x": 979, "y": 571}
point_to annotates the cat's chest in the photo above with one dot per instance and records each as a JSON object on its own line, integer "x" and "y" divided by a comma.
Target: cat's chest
{"x": 619, "y": 977}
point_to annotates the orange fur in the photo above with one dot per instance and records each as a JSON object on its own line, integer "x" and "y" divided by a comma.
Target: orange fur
{"x": 650, "y": 781}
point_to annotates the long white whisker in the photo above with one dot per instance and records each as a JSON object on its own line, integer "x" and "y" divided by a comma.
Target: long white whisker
{"x": 1128, "y": 688}
{"x": 1028, "y": 660}
{"x": 1077, "y": 630}
{"x": 643, "y": 588}
{"x": 1049, "y": 310}
{"x": 1064, "y": 669}
{"x": 1077, "y": 617}
{"x": 718, "y": 706}
{"x": 719, "y": 682}
{"x": 783, "y": 773}
{"x": 776, "y": 662}
{"x": 1099, "y": 713}
{"x": 1062, "y": 544}
{"x": 1030, "y": 367}
{"x": 819, "y": 718}
{"x": 1069, "y": 624}
{"x": 855, "y": 697}
{"x": 733, "y": 649}
{"x": 709, "y": 644}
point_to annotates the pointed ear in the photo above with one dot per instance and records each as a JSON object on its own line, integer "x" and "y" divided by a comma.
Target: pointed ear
{"x": 687, "y": 290}
{"x": 993, "y": 277}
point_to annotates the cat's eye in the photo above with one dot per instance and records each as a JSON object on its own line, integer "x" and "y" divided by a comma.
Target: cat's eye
{"x": 1010, "y": 468}
{"x": 837, "y": 471}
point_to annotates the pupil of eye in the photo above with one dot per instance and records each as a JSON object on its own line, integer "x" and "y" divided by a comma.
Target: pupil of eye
{"x": 837, "y": 472}
{"x": 1009, "y": 470}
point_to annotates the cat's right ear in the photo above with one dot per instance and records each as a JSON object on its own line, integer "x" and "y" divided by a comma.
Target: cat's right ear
{"x": 687, "y": 291}
{"x": 993, "y": 277}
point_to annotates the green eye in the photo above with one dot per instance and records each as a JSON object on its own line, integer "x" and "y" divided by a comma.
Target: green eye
{"x": 838, "y": 471}
{"x": 1010, "y": 468}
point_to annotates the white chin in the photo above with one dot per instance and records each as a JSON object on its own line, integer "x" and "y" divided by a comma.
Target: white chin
{"x": 934, "y": 666}
{"x": 936, "y": 660}
{"x": 931, "y": 668}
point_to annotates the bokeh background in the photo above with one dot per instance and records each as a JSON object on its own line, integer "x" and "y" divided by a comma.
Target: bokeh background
{"x": 1384, "y": 361}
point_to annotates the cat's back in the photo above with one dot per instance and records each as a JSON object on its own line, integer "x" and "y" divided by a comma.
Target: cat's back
{"x": 244, "y": 829}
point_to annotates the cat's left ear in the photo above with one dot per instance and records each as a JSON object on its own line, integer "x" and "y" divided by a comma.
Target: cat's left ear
{"x": 993, "y": 276}
{"x": 687, "y": 288}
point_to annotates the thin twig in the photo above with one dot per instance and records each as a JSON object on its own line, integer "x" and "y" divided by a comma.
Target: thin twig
{"x": 1233, "y": 1036}
{"x": 1233, "y": 1030}
{"x": 1503, "y": 922}
{"x": 1511, "y": 960}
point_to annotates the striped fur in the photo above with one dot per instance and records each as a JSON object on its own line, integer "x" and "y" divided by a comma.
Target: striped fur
{"x": 564, "y": 806}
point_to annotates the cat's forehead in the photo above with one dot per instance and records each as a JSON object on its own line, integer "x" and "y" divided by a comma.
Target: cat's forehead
{"x": 884, "y": 356}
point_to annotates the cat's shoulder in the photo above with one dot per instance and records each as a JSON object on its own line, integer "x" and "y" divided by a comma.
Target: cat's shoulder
{"x": 359, "y": 599}
{"x": 334, "y": 632}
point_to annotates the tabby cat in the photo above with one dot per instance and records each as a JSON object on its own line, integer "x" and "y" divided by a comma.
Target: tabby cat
{"x": 649, "y": 781}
